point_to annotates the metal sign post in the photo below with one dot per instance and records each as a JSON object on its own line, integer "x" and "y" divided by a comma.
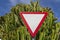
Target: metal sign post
{"x": 34, "y": 38}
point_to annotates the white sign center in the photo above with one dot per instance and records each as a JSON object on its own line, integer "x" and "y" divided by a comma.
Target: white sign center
{"x": 33, "y": 20}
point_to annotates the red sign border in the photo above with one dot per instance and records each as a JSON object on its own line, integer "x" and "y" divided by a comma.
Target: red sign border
{"x": 23, "y": 19}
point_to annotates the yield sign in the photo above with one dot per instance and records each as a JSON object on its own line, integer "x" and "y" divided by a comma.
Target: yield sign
{"x": 33, "y": 21}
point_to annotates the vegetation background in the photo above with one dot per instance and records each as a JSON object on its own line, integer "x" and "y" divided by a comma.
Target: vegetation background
{"x": 13, "y": 28}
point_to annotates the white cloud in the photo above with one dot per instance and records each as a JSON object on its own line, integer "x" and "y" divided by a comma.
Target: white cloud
{"x": 59, "y": 19}
{"x": 57, "y": 0}
{"x": 14, "y": 2}
{"x": 0, "y": 39}
{"x": 25, "y": 1}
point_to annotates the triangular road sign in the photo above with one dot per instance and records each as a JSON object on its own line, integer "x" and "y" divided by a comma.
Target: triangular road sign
{"x": 33, "y": 21}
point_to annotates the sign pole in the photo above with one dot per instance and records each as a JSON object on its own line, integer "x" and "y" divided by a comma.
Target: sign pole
{"x": 34, "y": 38}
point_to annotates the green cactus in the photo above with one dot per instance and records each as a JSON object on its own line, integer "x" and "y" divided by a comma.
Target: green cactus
{"x": 12, "y": 27}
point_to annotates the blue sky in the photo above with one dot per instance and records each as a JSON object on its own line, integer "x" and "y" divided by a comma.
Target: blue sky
{"x": 5, "y": 6}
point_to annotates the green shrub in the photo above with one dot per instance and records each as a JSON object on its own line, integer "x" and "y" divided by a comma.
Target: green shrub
{"x": 13, "y": 28}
